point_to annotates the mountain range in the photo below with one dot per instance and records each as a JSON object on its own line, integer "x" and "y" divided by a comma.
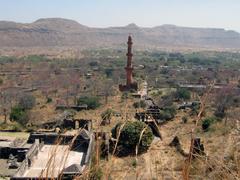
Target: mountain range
{"x": 64, "y": 33}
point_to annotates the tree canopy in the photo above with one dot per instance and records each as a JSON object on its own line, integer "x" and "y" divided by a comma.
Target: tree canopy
{"x": 182, "y": 93}
{"x": 91, "y": 101}
{"x": 130, "y": 136}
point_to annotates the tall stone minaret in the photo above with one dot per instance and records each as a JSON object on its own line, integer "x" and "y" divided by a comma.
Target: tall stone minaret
{"x": 129, "y": 68}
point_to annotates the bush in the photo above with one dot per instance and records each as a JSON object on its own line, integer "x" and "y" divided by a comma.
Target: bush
{"x": 107, "y": 115}
{"x": 206, "y": 123}
{"x": 134, "y": 163}
{"x": 93, "y": 63}
{"x": 184, "y": 119}
{"x": 19, "y": 115}
{"x": 220, "y": 112}
{"x": 236, "y": 101}
{"x": 109, "y": 72}
{"x": 136, "y": 105}
{"x": 166, "y": 100}
{"x": 140, "y": 104}
{"x": 27, "y": 102}
{"x": 124, "y": 96}
{"x": 130, "y": 135}
{"x": 49, "y": 100}
{"x": 195, "y": 110}
{"x": 168, "y": 113}
{"x": 91, "y": 102}
{"x": 182, "y": 93}
{"x": 1, "y": 81}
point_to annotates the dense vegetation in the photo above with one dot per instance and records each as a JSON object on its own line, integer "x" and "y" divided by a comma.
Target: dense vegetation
{"x": 183, "y": 94}
{"x": 168, "y": 113}
{"x": 139, "y": 104}
{"x": 207, "y": 122}
{"x": 130, "y": 136}
{"x": 19, "y": 115}
{"x": 90, "y": 101}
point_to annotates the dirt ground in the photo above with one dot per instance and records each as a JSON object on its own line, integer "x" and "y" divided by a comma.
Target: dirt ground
{"x": 163, "y": 162}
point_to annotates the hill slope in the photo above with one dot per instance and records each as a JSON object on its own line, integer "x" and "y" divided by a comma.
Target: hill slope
{"x": 57, "y": 32}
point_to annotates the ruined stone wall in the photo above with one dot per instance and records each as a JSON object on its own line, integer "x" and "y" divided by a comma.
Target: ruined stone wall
{"x": 33, "y": 151}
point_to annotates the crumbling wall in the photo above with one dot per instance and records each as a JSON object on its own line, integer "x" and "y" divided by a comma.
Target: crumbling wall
{"x": 33, "y": 151}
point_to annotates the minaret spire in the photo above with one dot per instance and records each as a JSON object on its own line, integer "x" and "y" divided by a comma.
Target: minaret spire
{"x": 129, "y": 68}
{"x": 130, "y": 85}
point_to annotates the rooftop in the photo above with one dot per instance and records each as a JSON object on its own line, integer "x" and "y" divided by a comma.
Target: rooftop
{"x": 51, "y": 160}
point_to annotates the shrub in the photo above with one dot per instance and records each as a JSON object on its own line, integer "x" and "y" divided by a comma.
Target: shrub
{"x": 168, "y": 113}
{"x": 140, "y": 104}
{"x": 166, "y": 100}
{"x": 91, "y": 102}
{"x": 107, "y": 115}
{"x": 1, "y": 81}
{"x": 156, "y": 93}
{"x": 35, "y": 58}
{"x": 130, "y": 135}
{"x": 19, "y": 115}
{"x": 49, "y": 100}
{"x": 206, "y": 123}
{"x": 182, "y": 93}
{"x": 124, "y": 95}
{"x": 27, "y": 102}
{"x": 93, "y": 63}
{"x": 220, "y": 112}
{"x": 164, "y": 71}
{"x": 184, "y": 119}
{"x": 236, "y": 101}
{"x": 165, "y": 115}
{"x": 109, "y": 72}
{"x": 134, "y": 163}
{"x": 136, "y": 105}
{"x": 195, "y": 110}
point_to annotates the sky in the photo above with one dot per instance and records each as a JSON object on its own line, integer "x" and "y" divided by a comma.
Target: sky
{"x": 144, "y": 13}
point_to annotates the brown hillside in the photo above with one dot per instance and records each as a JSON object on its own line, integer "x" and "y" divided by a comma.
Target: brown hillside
{"x": 57, "y": 32}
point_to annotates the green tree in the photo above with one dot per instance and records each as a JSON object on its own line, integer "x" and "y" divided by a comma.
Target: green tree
{"x": 206, "y": 123}
{"x": 19, "y": 115}
{"x": 183, "y": 93}
{"x": 93, "y": 63}
{"x": 1, "y": 81}
{"x": 109, "y": 72}
{"x": 130, "y": 136}
{"x": 140, "y": 104}
{"x": 167, "y": 113}
{"x": 92, "y": 102}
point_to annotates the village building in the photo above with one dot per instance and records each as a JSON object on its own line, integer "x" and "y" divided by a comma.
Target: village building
{"x": 54, "y": 156}
{"x": 49, "y": 154}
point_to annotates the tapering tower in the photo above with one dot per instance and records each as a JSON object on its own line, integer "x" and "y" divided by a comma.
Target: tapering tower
{"x": 130, "y": 85}
{"x": 129, "y": 67}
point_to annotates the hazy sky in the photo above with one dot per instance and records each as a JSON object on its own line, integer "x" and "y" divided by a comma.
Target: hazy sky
{"x": 104, "y": 13}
